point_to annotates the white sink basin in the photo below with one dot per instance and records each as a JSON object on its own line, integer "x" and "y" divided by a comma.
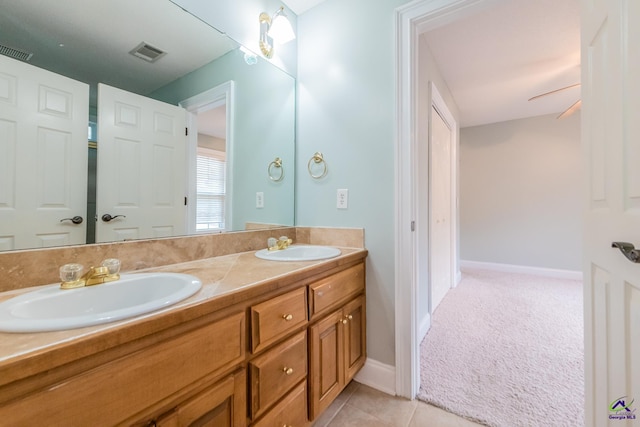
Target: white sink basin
{"x": 51, "y": 308}
{"x": 299, "y": 253}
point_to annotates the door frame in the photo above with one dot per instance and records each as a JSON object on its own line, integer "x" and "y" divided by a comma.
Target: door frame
{"x": 411, "y": 20}
{"x": 211, "y": 98}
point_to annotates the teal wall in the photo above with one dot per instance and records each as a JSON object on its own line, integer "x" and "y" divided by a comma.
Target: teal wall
{"x": 346, "y": 110}
{"x": 264, "y": 111}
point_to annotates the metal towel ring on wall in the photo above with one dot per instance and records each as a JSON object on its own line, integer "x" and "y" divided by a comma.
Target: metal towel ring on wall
{"x": 276, "y": 164}
{"x": 318, "y": 160}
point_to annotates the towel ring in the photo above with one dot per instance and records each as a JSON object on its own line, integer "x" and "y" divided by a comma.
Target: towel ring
{"x": 317, "y": 159}
{"x": 276, "y": 164}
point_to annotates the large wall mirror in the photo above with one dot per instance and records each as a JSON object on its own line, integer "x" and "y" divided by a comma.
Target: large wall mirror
{"x": 181, "y": 130}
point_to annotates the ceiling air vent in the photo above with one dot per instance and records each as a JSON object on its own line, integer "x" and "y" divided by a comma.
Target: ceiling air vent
{"x": 15, "y": 53}
{"x": 147, "y": 52}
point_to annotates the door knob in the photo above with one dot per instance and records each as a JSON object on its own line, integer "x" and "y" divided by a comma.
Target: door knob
{"x": 76, "y": 219}
{"x": 108, "y": 217}
{"x": 628, "y": 250}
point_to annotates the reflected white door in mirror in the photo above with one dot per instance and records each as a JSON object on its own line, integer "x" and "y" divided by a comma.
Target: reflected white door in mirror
{"x": 141, "y": 167}
{"x": 43, "y": 157}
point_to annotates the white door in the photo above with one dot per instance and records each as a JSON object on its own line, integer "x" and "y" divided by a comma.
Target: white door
{"x": 611, "y": 143}
{"x": 43, "y": 157}
{"x": 441, "y": 221}
{"x": 141, "y": 177}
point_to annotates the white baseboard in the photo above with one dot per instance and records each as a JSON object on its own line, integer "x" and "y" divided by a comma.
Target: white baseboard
{"x": 508, "y": 268}
{"x": 425, "y": 325}
{"x": 378, "y": 375}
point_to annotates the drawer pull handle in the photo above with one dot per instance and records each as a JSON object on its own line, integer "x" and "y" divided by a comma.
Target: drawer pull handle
{"x": 287, "y": 371}
{"x": 346, "y": 319}
{"x": 287, "y": 317}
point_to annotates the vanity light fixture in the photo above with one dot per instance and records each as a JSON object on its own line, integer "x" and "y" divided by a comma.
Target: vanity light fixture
{"x": 276, "y": 29}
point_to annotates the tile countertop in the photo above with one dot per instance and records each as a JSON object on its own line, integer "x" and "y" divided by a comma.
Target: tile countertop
{"x": 226, "y": 280}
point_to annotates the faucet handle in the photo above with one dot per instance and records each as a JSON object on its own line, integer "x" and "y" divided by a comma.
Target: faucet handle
{"x": 70, "y": 272}
{"x": 271, "y": 242}
{"x": 112, "y": 264}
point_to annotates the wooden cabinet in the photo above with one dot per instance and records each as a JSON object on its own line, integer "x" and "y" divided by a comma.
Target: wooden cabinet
{"x": 335, "y": 351}
{"x": 275, "y": 358}
{"x": 277, "y": 371}
{"x": 115, "y": 392}
{"x": 337, "y": 342}
{"x": 221, "y": 405}
{"x": 334, "y": 290}
{"x": 355, "y": 345}
{"x": 290, "y": 412}
{"x": 276, "y": 317}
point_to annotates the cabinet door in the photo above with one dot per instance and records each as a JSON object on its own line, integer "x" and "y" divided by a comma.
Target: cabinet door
{"x": 222, "y": 405}
{"x": 326, "y": 342}
{"x": 355, "y": 346}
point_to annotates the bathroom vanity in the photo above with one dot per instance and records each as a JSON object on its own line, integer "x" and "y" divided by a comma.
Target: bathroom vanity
{"x": 262, "y": 343}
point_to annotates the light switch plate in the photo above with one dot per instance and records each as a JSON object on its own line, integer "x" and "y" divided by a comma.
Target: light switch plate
{"x": 259, "y": 200}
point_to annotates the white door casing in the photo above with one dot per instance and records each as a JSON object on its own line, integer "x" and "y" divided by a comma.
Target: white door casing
{"x": 43, "y": 157}
{"x": 141, "y": 171}
{"x": 611, "y": 148}
{"x": 412, "y": 19}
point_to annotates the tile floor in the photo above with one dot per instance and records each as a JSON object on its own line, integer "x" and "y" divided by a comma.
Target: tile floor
{"x": 359, "y": 405}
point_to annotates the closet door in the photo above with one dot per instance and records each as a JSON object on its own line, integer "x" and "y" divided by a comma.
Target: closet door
{"x": 43, "y": 157}
{"x": 441, "y": 220}
{"x": 141, "y": 179}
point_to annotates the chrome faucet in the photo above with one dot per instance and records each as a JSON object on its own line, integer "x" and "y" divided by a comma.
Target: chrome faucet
{"x": 107, "y": 272}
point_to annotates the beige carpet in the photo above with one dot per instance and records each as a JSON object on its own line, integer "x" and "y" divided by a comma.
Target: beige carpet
{"x": 507, "y": 350}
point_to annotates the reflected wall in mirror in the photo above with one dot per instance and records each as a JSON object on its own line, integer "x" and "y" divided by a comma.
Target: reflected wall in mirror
{"x": 258, "y": 122}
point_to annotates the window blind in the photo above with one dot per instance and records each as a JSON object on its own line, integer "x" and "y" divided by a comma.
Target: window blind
{"x": 210, "y": 189}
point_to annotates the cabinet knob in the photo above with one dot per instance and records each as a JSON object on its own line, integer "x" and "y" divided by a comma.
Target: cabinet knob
{"x": 344, "y": 321}
{"x": 287, "y": 371}
{"x": 287, "y": 317}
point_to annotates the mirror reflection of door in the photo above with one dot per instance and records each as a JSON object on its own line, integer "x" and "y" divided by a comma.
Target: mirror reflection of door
{"x": 210, "y": 159}
{"x": 43, "y": 157}
{"x": 211, "y": 169}
{"x": 141, "y": 185}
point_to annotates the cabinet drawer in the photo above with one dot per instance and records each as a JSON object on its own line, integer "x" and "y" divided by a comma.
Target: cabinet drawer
{"x": 115, "y": 391}
{"x": 273, "y": 319}
{"x": 222, "y": 404}
{"x": 276, "y": 372}
{"x": 329, "y": 292}
{"x": 291, "y": 411}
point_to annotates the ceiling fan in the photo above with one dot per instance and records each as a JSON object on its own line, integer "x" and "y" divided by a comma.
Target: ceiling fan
{"x": 569, "y": 111}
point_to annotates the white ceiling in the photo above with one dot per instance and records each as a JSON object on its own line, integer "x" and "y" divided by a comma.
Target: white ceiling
{"x": 495, "y": 60}
{"x": 67, "y": 37}
{"x": 300, "y": 6}
{"x": 492, "y": 61}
